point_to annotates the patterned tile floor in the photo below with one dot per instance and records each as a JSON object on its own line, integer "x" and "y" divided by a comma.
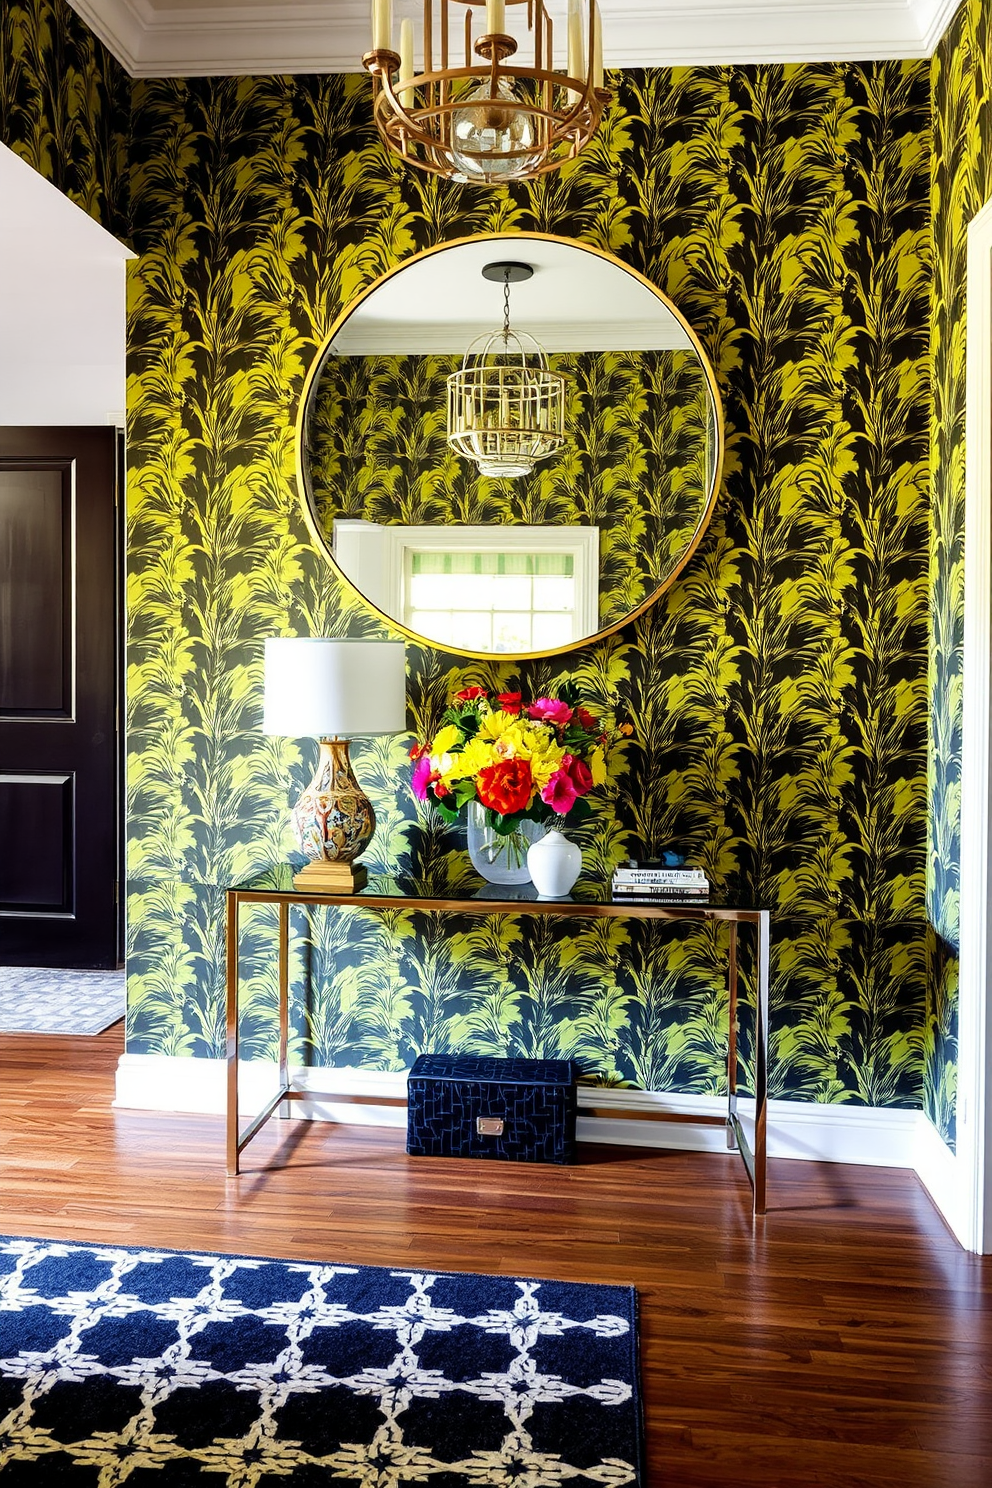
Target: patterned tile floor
{"x": 38, "y": 1000}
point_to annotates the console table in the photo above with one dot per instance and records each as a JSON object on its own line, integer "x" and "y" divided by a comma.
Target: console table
{"x": 587, "y": 901}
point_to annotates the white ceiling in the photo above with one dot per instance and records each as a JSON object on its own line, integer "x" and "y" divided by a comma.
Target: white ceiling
{"x": 62, "y": 292}
{"x": 191, "y": 38}
{"x": 441, "y": 302}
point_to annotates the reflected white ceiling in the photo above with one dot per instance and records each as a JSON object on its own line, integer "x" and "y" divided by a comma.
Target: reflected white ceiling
{"x": 576, "y": 301}
{"x": 191, "y": 38}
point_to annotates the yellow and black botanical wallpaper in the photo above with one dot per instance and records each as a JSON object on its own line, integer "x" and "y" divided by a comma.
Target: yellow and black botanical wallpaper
{"x": 65, "y": 106}
{"x": 638, "y": 462}
{"x": 778, "y": 690}
{"x": 961, "y": 184}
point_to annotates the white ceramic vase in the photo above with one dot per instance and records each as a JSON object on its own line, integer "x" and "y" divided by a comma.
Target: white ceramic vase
{"x": 555, "y": 864}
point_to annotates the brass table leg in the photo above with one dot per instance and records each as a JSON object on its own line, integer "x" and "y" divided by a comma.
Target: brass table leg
{"x": 754, "y": 1157}
{"x": 233, "y": 1146}
{"x": 761, "y": 1062}
{"x": 237, "y": 1140}
{"x": 284, "y": 1004}
{"x": 732, "y": 1039}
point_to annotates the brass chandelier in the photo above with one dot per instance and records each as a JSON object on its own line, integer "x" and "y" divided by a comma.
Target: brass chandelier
{"x": 506, "y": 408}
{"x": 487, "y": 121}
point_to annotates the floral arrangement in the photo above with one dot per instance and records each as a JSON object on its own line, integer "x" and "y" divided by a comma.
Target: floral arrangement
{"x": 520, "y": 761}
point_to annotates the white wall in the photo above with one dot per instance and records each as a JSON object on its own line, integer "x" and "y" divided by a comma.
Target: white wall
{"x": 62, "y": 306}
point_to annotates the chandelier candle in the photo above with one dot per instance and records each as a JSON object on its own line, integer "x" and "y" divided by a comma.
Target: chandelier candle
{"x": 406, "y": 95}
{"x": 382, "y": 24}
{"x": 576, "y": 48}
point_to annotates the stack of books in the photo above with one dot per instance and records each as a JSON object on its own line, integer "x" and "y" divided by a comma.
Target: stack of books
{"x": 650, "y": 881}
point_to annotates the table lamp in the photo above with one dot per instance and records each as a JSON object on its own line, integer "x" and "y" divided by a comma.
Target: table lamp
{"x": 333, "y": 690}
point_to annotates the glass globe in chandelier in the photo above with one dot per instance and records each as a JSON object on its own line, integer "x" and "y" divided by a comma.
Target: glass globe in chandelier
{"x": 506, "y": 408}
{"x": 490, "y": 120}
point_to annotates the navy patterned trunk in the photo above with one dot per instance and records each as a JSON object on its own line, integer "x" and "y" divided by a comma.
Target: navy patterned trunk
{"x": 517, "y": 1110}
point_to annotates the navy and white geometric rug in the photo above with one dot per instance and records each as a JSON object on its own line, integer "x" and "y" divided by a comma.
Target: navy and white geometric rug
{"x": 116, "y": 1363}
{"x": 36, "y": 999}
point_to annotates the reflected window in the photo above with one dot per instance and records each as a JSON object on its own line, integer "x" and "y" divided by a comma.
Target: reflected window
{"x": 478, "y": 588}
{"x": 492, "y": 601}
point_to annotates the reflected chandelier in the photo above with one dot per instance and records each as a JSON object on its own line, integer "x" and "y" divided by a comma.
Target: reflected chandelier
{"x": 506, "y": 408}
{"x": 488, "y": 121}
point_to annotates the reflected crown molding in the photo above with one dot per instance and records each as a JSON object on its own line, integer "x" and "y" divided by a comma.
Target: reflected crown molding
{"x": 451, "y": 340}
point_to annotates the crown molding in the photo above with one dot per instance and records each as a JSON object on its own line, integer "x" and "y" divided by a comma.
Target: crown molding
{"x": 117, "y": 25}
{"x": 935, "y": 16}
{"x": 322, "y": 36}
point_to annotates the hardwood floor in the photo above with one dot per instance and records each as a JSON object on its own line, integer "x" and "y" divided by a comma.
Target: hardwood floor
{"x": 846, "y": 1343}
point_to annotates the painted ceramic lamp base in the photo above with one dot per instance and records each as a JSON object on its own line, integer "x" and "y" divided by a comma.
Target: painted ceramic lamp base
{"x": 333, "y": 818}
{"x": 555, "y": 864}
{"x": 500, "y": 860}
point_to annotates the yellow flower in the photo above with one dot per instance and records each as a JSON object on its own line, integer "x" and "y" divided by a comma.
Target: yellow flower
{"x": 477, "y": 755}
{"x": 508, "y": 736}
{"x": 597, "y": 764}
{"x": 445, "y": 740}
{"x": 545, "y": 760}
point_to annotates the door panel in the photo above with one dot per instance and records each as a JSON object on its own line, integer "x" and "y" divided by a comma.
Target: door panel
{"x": 59, "y": 837}
{"x": 36, "y": 809}
{"x": 35, "y": 628}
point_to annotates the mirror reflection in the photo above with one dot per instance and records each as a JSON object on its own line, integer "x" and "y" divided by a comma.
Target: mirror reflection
{"x": 542, "y": 560}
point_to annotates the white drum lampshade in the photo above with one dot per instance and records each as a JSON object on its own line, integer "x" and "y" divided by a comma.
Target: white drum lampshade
{"x": 321, "y": 688}
{"x": 333, "y": 690}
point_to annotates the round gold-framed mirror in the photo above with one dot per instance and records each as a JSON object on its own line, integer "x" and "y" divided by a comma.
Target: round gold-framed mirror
{"x": 576, "y": 543}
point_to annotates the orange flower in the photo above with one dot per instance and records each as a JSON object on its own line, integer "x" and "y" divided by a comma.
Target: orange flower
{"x": 506, "y": 786}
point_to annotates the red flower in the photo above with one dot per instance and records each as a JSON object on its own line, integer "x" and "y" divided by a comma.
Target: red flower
{"x": 588, "y": 722}
{"x": 417, "y": 750}
{"x": 509, "y": 702}
{"x": 506, "y": 786}
{"x": 470, "y": 694}
{"x": 578, "y": 773}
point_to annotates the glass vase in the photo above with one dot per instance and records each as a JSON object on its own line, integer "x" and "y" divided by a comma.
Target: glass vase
{"x": 500, "y": 860}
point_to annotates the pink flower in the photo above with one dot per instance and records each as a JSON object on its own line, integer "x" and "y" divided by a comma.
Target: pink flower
{"x": 550, "y": 710}
{"x": 578, "y": 773}
{"x": 559, "y": 793}
{"x": 421, "y": 777}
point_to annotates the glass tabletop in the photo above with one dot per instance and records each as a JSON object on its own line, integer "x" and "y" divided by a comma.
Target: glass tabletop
{"x": 465, "y": 888}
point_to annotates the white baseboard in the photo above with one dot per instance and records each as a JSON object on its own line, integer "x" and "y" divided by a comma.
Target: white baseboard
{"x": 872, "y": 1136}
{"x": 940, "y": 1173}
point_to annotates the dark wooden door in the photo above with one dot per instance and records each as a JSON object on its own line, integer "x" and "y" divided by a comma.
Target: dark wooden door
{"x": 59, "y": 767}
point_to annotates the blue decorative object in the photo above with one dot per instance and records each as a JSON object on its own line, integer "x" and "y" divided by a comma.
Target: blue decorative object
{"x": 519, "y": 1110}
{"x": 117, "y": 1363}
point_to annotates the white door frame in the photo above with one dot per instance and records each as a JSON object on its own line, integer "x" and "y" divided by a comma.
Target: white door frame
{"x": 973, "y": 1219}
